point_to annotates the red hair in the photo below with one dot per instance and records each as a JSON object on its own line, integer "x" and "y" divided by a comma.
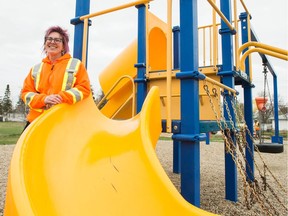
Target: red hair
{"x": 63, "y": 33}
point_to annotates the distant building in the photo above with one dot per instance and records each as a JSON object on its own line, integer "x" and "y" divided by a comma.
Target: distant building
{"x": 283, "y": 122}
{"x": 15, "y": 117}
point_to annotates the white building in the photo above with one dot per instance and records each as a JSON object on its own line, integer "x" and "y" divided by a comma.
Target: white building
{"x": 283, "y": 123}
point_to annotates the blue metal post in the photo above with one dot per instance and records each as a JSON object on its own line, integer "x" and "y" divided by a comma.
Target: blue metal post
{"x": 82, "y": 8}
{"x": 141, "y": 58}
{"x": 190, "y": 129}
{"x": 248, "y": 104}
{"x": 176, "y": 156}
{"x": 276, "y": 138}
{"x": 227, "y": 74}
{"x": 176, "y": 47}
{"x": 176, "y": 65}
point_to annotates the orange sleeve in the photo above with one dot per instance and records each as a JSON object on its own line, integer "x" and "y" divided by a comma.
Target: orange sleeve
{"x": 30, "y": 96}
{"x": 81, "y": 88}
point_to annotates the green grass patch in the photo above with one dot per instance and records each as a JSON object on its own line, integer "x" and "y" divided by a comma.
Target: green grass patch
{"x": 266, "y": 134}
{"x": 165, "y": 138}
{"x": 10, "y": 132}
{"x": 216, "y": 138}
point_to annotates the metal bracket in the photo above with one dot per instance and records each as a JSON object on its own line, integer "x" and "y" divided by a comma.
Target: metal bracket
{"x": 189, "y": 137}
{"x": 190, "y": 75}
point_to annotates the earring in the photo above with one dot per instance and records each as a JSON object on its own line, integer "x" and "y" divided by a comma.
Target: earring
{"x": 62, "y": 52}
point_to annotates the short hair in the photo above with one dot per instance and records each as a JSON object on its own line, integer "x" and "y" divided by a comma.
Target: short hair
{"x": 64, "y": 34}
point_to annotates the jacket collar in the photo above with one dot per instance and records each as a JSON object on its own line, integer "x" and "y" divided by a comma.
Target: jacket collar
{"x": 64, "y": 57}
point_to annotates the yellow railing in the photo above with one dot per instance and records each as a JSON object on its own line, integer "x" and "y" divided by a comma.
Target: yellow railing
{"x": 169, "y": 67}
{"x": 211, "y": 2}
{"x": 237, "y": 60}
{"x": 213, "y": 34}
{"x": 132, "y": 95}
{"x": 214, "y": 82}
{"x": 261, "y": 48}
{"x": 213, "y": 44}
{"x": 236, "y": 37}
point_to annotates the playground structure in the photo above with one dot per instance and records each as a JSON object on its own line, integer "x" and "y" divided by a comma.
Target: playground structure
{"x": 188, "y": 94}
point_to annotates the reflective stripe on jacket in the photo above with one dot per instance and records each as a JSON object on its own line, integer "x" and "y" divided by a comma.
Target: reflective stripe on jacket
{"x": 36, "y": 73}
{"x": 66, "y": 77}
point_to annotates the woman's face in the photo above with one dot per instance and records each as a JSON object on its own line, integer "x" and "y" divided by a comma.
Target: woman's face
{"x": 54, "y": 44}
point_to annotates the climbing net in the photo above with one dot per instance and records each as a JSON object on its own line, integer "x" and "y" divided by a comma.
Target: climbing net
{"x": 258, "y": 190}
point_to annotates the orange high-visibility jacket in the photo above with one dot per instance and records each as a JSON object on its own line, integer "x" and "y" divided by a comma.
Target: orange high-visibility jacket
{"x": 55, "y": 79}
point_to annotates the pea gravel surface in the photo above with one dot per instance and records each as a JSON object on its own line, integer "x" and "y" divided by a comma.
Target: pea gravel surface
{"x": 212, "y": 178}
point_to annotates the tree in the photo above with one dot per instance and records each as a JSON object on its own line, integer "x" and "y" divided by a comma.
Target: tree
{"x": 1, "y": 106}
{"x": 239, "y": 110}
{"x": 265, "y": 116}
{"x": 7, "y": 102}
{"x": 98, "y": 98}
{"x": 92, "y": 92}
{"x": 283, "y": 108}
{"x": 20, "y": 106}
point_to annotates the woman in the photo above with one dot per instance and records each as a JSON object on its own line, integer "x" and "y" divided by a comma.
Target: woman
{"x": 59, "y": 78}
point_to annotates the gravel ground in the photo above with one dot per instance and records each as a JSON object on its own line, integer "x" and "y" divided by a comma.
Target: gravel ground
{"x": 212, "y": 178}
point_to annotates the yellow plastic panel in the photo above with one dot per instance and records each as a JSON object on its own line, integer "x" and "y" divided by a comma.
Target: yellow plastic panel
{"x": 122, "y": 65}
{"x": 115, "y": 102}
{"x": 157, "y": 43}
{"x": 206, "y": 111}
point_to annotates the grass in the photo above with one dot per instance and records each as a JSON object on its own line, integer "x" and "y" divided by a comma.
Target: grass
{"x": 284, "y": 134}
{"x": 165, "y": 138}
{"x": 10, "y": 132}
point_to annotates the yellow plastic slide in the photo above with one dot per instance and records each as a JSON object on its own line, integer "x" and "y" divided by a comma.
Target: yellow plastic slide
{"x": 75, "y": 161}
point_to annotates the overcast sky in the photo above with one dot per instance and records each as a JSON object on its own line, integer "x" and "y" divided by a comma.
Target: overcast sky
{"x": 23, "y": 23}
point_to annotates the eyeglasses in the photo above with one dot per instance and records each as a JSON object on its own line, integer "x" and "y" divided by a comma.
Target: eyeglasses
{"x": 56, "y": 40}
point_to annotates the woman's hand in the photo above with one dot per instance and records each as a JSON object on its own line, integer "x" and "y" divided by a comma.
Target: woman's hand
{"x": 52, "y": 100}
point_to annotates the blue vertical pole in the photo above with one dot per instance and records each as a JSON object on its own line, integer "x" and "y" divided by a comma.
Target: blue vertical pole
{"x": 227, "y": 74}
{"x": 176, "y": 65}
{"x": 176, "y": 47}
{"x": 82, "y": 8}
{"x": 190, "y": 148}
{"x": 276, "y": 138}
{"x": 141, "y": 58}
{"x": 248, "y": 104}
